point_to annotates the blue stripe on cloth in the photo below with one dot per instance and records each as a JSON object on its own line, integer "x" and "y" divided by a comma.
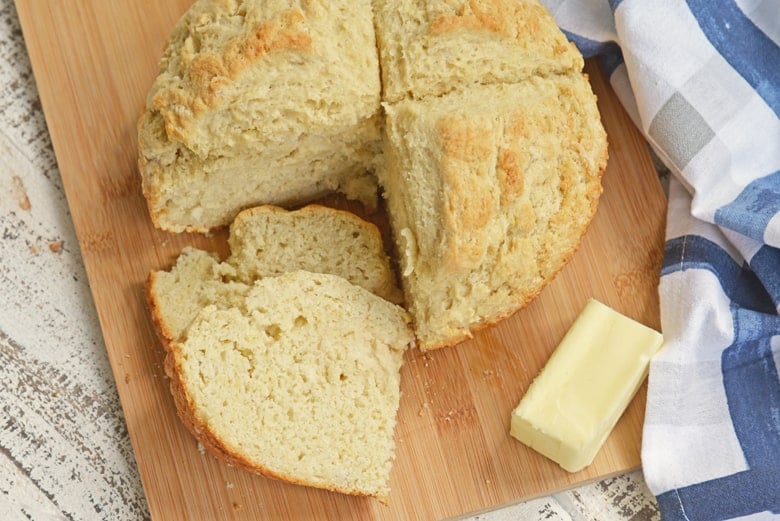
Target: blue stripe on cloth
{"x": 733, "y": 496}
{"x": 740, "y": 283}
{"x": 753, "y": 394}
{"x": 744, "y": 46}
{"x": 609, "y": 54}
{"x": 752, "y": 325}
{"x": 766, "y": 265}
{"x": 610, "y": 60}
{"x": 613, "y": 4}
{"x": 590, "y": 48}
{"x": 750, "y": 212}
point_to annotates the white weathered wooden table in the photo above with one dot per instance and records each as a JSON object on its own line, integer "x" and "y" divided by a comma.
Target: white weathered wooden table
{"x": 64, "y": 447}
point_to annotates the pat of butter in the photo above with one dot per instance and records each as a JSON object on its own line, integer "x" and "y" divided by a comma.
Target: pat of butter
{"x": 571, "y": 407}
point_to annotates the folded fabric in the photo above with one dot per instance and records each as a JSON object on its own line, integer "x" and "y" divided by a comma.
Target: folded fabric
{"x": 701, "y": 80}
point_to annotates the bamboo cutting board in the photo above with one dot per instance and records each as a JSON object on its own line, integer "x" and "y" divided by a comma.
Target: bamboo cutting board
{"x": 94, "y": 62}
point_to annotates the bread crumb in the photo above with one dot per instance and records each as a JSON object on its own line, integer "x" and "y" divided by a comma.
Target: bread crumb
{"x": 228, "y": 484}
{"x": 34, "y": 249}
{"x": 237, "y": 505}
{"x": 201, "y": 449}
{"x": 55, "y": 246}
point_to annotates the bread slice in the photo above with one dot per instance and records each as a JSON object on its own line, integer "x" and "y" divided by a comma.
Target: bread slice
{"x": 258, "y": 102}
{"x": 268, "y": 241}
{"x": 489, "y": 190}
{"x": 428, "y": 48}
{"x": 198, "y": 279}
{"x": 300, "y": 381}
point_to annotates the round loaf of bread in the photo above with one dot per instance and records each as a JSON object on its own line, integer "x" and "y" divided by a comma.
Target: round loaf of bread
{"x": 488, "y": 145}
{"x": 486, "y": 141}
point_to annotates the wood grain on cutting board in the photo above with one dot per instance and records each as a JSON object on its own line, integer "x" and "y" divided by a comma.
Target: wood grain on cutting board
{"x": 94, "y": 62}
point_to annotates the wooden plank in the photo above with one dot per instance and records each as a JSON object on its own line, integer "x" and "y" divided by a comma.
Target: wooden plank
{"x": 94, "y": 62}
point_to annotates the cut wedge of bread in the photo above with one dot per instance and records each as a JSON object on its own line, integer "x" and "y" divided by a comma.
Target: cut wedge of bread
{"x": 429, "y": 48}
{"x": 267, "y": 241}
{"x": 298, "y": 380}
{"x": 260, "y": 102}
{"x": 490, "y": 190}
{"x": 326, "y": 340}
{"x": 198, "y": 279}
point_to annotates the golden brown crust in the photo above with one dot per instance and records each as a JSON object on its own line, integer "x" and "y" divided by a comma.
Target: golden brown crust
{"x": 158, "y": 322}
{"x": 469, "y": 191}
{"x": 593, "y": 196}
{"x": 231, "y": 121}
{"x": 506, "y": 18}
{"x": 509, "y": 174}
{"x": 204, "y": 75}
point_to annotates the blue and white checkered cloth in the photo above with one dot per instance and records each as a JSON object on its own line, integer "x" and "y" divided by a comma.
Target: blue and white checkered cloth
{"x": 701, "y": 79}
